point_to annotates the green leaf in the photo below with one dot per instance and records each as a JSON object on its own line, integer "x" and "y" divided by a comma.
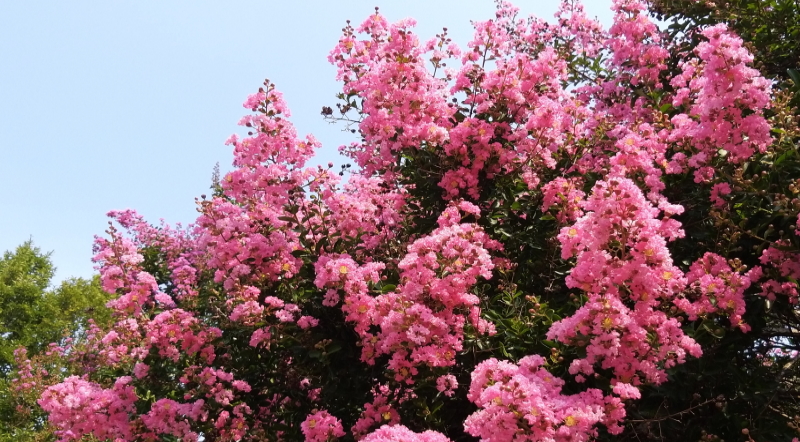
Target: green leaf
{"x": 783, "y": 157}
{"x": 333, "y": 348}
{"x": 713, "y": 329}
{"x": 320, "y": 244}
{"x": 794, "y": 74}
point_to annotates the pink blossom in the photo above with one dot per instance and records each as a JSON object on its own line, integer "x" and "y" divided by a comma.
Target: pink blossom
{"x": 399, "y": 433}
{"x": 447, "y": 384}
{"x": 306, "y": 322}
{"x": 321, "y": 427}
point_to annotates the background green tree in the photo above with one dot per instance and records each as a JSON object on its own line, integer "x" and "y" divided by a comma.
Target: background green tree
{"x": 32, "y": 316}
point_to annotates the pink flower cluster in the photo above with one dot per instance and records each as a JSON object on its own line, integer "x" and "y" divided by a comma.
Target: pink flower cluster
{"x": 176, "y": 333}
{"x": 122, "y": 344}
{"x": 620, "y": 246}
{"x": 252, "y": 240}
{"x": 377, "y": 413}
{"x": 524, "y": 92}
{"x": 524, "y": 403}
{"x": 77, "y": 407}
{"x": 403, "y": 104}
{"x": 447, "y": 384}
{"x": 173, "y": 418}
{"x": 635, "y": 43}
{"x": 241, "y": 249}
{"x": 725, "y": 100}
{"x": 365, "y": 211}
{"x": 213, "y": 384}
{"x": 787, "y": 266}
{"x": 341, "y": 273}
{"x": 399, "y": 433}
{"x": 717, "y": 288}
{"x": 177, "y": 246}
{"x": 118, "y": 262}
{"x": 321, "y": 427}
{"x": 419, "y": 322}
{"x": 563, "y": 197}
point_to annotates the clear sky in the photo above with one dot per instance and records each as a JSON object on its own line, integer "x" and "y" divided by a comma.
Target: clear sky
{"x": 126, "y": 104}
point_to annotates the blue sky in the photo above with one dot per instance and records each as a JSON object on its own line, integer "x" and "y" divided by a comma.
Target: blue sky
{"x": 127, "y": 104}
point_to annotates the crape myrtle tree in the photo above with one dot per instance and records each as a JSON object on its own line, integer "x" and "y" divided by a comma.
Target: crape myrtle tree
{"x": 555, "y": 233}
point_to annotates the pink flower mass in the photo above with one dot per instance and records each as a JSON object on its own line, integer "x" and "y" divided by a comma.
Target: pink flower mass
{"x": 298, "y": 306}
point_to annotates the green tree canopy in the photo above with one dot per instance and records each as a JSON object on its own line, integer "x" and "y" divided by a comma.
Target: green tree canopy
{"x": 32, "y": 316}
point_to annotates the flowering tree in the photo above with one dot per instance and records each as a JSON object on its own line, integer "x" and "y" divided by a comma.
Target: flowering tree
{"x": 541, "y": 235}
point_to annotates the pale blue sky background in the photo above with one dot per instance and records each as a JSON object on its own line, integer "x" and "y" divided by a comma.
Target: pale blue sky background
{"x": 126, "y": 104}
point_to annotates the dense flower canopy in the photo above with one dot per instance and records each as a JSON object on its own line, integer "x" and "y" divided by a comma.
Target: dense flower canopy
{"x": 508, "y": 261}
